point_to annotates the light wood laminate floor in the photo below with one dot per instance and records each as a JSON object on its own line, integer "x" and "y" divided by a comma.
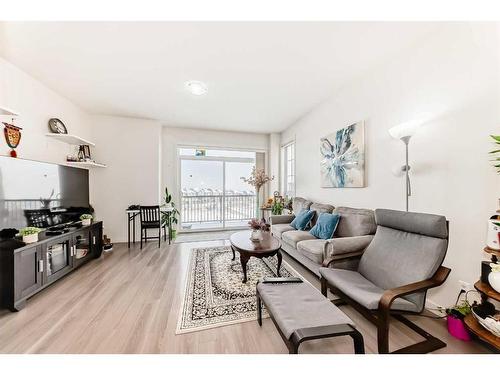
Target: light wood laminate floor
{"x": 128, "y": 301}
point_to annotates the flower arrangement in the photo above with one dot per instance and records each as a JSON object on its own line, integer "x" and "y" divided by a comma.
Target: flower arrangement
{"x": 257, "y": 179}
{"x": 261, "y": 224}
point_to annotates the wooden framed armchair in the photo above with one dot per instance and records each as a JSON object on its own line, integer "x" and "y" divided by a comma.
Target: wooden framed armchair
{"x": 402, "y": 262}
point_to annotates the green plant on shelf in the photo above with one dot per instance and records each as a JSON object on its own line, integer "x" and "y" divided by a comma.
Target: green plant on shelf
{"x": 86, "y": 217}
{"x": 29, "y": 230}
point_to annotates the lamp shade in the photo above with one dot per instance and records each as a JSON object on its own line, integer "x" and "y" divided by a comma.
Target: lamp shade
{"x": 406, "y": 129}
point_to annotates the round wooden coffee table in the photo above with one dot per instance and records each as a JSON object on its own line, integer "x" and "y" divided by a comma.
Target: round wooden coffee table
{"x": 267, "y": 247}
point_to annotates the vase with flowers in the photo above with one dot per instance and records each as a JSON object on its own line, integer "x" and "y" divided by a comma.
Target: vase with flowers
{"x": 257, "y": 179}
{"x": 257, "y": 226}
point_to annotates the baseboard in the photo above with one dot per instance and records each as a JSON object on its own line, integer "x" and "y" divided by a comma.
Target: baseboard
{"x": 433, "y": 306}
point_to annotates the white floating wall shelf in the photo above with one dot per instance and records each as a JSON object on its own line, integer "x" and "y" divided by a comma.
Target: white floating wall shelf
{"x": 70, "y": 139}
{"x": 7, "y": 112}
{"x": 85, "y": 164}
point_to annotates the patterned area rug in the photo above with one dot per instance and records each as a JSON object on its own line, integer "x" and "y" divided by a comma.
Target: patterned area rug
{"x": 214, "y": 294}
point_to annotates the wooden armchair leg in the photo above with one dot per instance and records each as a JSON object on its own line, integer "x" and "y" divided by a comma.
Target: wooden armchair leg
{"x": 383, "y": 332}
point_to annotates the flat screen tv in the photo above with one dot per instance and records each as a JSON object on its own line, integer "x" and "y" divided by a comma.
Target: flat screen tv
{"x": 41, "y": 194}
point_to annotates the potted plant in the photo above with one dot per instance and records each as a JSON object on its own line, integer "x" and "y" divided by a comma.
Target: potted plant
{"x": 30, "y": 234}
{"x": 496, "y": 160}
{"x": 455, "y": 320}
{"x": 169, "y": 218}
{"x": 86, "y": 219}
{"x": 277, "y": 207}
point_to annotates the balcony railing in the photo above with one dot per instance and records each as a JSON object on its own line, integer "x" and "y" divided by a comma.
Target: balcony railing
{"x": 217, "y": 208}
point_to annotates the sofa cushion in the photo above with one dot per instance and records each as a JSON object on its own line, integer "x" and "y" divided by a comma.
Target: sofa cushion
{"x": 299, "y": 204}
{"x": 293, "y": 236}
{"x": 312, "y": 249}
{"x": 362, "y": 290}
{"x": 302, "y": 220}
{"x": 325, "y": 226}
{"x": 319, "y": 209}
{"x": 355, "y": 222}
{"x": 278, "y": 229}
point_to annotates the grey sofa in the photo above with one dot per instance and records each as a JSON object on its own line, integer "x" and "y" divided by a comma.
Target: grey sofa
{"x": 353, "y": 235}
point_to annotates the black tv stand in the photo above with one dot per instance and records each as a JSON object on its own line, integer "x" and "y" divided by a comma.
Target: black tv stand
{"x": 26, "y": 270}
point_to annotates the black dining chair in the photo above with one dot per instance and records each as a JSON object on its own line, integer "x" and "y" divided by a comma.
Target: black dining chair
{"x": 150, "y": 219}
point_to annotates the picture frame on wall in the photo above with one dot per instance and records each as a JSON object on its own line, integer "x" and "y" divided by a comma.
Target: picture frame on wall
{"x": 343, "y": 157}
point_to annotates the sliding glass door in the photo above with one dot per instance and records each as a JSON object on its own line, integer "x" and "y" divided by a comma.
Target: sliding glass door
{"x": 213, "y": 196}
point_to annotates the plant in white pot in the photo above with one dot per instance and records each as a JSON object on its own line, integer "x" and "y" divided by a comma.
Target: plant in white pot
{"x": 86, "y": 219}
{"x": 30, "y": 234}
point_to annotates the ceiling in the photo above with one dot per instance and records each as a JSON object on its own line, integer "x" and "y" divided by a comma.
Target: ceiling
{"x": 261, "y": 77}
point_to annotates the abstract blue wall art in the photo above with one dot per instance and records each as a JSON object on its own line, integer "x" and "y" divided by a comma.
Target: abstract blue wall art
{"x": 343, "y": 157}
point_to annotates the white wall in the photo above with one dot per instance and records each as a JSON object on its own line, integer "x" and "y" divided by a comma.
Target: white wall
{"x": 173, "y": 137}
{"x": 274, "y": 161}
{"x": 37, "y": 104}
{"x": 131, "y": 150}
{"x": 454, "y": 76}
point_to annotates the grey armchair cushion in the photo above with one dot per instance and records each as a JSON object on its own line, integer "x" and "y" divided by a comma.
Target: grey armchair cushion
{"x": 293, "y": 236}
{"x": 355, "y": 222}
{"x": 278, "y": 229}
{"x": 294, "y": 306}
{"x": 345, "y": 245}
{"x": 299, "y": 204}
{"x": 362, "y": 290}
{"x": 319, "y": 208}
{"x": 425, "y": 224}
{"x": 312, "y": 249}
{"x": 396, "y": 257}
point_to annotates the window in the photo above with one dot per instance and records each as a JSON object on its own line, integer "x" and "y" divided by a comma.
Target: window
{"x": 288, "y": 169}
{"x": 212, "y": 194}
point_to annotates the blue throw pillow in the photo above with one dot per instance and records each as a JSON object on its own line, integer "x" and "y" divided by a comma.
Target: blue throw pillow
{"x": 302, "y": 220}
{"x": 325, "y": 226}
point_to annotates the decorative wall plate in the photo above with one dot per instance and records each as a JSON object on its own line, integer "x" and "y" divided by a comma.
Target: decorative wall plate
{"x": 57, "y": 126}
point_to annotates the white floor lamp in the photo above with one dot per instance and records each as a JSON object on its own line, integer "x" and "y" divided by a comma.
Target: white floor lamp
{"x": 404, "y": 132}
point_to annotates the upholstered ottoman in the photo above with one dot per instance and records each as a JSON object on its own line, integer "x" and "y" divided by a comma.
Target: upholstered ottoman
{"x": 301, "y": 313}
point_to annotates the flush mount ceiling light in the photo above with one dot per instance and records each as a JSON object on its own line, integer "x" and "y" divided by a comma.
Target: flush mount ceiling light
{"x": 196, "y": 87}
